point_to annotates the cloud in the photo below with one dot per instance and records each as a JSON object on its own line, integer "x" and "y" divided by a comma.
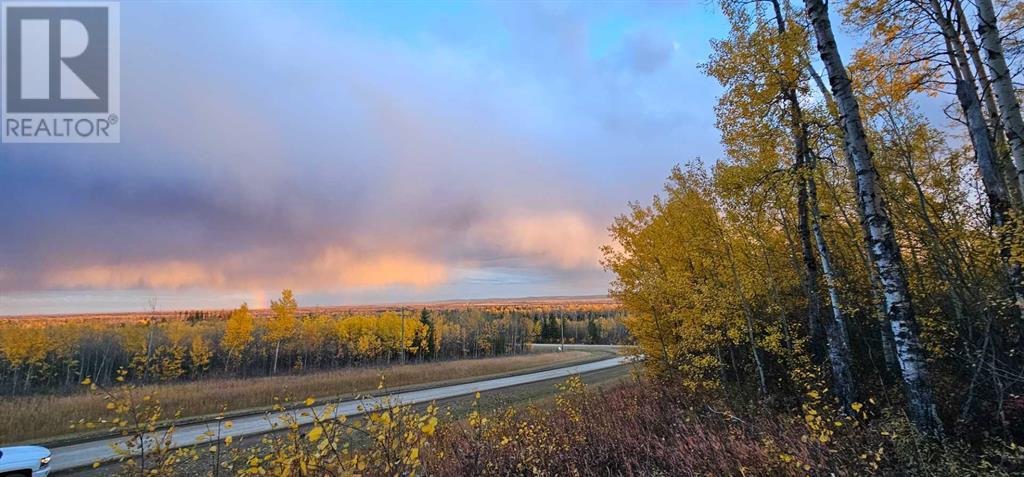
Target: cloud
{"x": 646, "y": 51}
{"x": 337, "y": 266}
{"x": 565, "y": 239}
{"x": 172, "y": 274}
{"x": 331, "y": 269}
{"x": 331, "y": 148}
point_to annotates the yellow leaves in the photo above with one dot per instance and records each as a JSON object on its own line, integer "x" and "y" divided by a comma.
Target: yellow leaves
{"x": 238, "y": 332}
{"x": 315, "y": 434}
{"x": 25, "y": 344}
{"x": 87, "y": 381}
{"x": 283, "y": 326}
{"x": 889, "y": 31}
{"x": 309, "y": 401}
{"x": 429, "y": 427}
{"x": 373, "y": 336}
{"x": 200, "y": 353}
{"x": 228, "y": 440}
{"x": 756, "y": 65}
{"x": 475, "y": 420}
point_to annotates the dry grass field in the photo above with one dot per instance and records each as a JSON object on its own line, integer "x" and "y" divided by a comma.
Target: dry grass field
{"x": 46, "y": 417}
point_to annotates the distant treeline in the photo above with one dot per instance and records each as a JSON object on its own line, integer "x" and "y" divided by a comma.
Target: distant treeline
{"x": 603, "y": 326}
{"x": 44, "y": 355}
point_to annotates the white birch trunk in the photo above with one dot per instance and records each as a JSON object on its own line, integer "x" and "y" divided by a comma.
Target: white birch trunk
{"x": 899, "y": 309}
{"x": 984, "y": 149}
{"x": 1002, "y": 85}
{"x": 835, "y": 329}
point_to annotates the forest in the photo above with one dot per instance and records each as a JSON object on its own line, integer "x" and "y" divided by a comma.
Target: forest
{"x": 52, "y": 354}
{"x": 861, "y": 241}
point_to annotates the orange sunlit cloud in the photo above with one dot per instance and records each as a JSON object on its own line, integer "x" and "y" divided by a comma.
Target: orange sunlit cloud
{"x": 168, "y": 274}
{"x": 563, "y": 239}
{"x": 334, "y": 268}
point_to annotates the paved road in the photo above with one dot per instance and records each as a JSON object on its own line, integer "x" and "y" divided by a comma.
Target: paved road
{"x": 85, "y": 453}
{"x": 580, "y": 347}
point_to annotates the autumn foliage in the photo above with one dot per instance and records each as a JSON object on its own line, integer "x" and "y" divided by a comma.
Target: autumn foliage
{"x": 40, "y": 355}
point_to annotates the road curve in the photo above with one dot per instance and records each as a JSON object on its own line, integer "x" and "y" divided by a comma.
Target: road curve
{"x": 102, "y": 450}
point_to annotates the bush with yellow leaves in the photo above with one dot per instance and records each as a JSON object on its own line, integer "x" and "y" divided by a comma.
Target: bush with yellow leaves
{"x": 387, "y": 439}
{"x": 147, "y": 448}
{"x": 648, "y": 428}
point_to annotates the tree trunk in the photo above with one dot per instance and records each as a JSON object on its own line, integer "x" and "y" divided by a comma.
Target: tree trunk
{"x": 838, "y": 338}
{"x": 277, "y": 351}
{"x": 799, "y": 132}
{"x": 815, "y": 328}
{"x": 899, "y": 309}
{"x": 1009, "y": 113}
{"x": 810, "y": 282}
{"x": 974, "y": 52}
{"x": 1003, "y": 152}
{"x": 748, "y": 314}
{"x": 984, "y": 150}
{"x": 877, "y": 293}
{"x": 722, "y": 374}
{"x": 970, "y": 104}
{"x": 1002, "y": 85}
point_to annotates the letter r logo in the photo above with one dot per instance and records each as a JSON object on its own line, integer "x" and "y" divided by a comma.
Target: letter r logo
{"x": 60, "y": 71}
{"x": 57, "y": 59}
{"x": 35, "y": 59}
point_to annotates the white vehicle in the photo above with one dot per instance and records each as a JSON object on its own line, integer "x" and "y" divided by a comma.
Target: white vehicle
{"x": 24, "y": 461}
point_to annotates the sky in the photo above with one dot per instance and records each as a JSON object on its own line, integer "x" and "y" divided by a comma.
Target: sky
{"x": 354, "y": 152}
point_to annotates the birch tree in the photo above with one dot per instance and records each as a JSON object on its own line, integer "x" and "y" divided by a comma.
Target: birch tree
{"x": 888, "y": 261}
{"x": 1002, "y": 86}
{"x": 282, "y": 326}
